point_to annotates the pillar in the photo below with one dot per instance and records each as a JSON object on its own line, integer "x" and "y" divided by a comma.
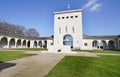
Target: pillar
{"x": 107, "y": 44}
{"x": 8, "y": 41}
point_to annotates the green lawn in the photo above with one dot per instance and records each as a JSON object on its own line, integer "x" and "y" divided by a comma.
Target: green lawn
{"x": 76, "y": 66}
{"x": 98, "y": 51}
{"x": 30, "y": 49}
{"x": 9, "y": 55}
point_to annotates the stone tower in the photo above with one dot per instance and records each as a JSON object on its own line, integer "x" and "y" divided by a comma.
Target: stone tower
{"x": 68, "y": 29}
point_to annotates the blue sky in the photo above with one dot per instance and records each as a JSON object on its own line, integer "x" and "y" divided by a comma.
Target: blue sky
{"x": 100, "y": 17}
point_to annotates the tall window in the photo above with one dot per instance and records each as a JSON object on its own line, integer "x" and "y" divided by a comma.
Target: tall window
{"x": 66, "y": 29}
{"x": 59, "y": 30}
{"x": 68, "y": 40}
{"x": 73, "y": 29}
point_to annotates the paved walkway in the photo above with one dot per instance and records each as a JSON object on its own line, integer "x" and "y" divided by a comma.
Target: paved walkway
{"x": 38, "y": 65}
{"x": 35, "y": 66}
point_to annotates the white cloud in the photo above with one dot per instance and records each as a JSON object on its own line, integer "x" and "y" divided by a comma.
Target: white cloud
{"x": 92, "y": 5}
{"x": 96, "y": 7}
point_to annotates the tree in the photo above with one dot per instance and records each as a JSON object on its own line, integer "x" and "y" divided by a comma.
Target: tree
{"x": 31, "y": 33}
{"x": 17, "y": 30}
{"x": 11, "y": 29}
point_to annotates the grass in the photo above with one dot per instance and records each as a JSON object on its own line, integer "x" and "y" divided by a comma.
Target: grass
{"x": 30, "y": 49}
{"x": 99, "y": 51}
{"x": 76, "y": 66}
{"x": 10, "y": 55}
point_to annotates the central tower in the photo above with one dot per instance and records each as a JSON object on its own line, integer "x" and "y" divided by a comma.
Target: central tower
{"x": 68, "y": 29}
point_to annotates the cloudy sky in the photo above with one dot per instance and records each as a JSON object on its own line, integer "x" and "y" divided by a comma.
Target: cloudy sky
{"x": 100, "y": 17}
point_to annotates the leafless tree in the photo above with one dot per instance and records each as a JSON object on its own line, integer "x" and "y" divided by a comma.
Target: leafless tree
{"x": 17, "y": 30}
{"x": 31, "y": 33}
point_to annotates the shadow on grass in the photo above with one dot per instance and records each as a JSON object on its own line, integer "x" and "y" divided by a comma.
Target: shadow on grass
{"x": 5, "y": 65}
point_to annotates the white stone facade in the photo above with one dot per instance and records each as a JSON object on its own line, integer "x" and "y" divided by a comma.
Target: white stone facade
{"x": 67, "y": 35}
{"x": 69, "y": 23}
{"x": 13, "y": 42}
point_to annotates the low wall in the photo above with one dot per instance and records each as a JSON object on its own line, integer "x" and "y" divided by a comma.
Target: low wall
{"x": 64, "y": 49}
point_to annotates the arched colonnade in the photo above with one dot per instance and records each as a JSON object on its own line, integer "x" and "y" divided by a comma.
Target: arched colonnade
{"x": 11, "y": 42}
{"x": 106, "y": 44}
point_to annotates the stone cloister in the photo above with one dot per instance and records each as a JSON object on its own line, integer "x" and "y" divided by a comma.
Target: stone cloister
{"x": 12, "y": 42}
{"x": 111, "y": 44}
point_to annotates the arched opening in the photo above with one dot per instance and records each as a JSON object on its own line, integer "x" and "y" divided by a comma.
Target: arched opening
{"x": 28, "y": 44}
{"x": 68, "y": 40}
{"x": 103, "y": 44}
{"x": 40, "y": 44}
{"x": 18, "y": 43}
{"x": 45, "y": 44}
{"x": 35, "y": 44}
{"x": 24, "y": 44}
{"x": 12, "y": 43}
{"x": 95, "y": 44}
{"x": 4, "y": 42}
{"x": 111, "y": 45}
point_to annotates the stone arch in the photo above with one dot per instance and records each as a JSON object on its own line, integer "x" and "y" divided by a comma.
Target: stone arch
{"x": 18, "y": 43}
{"x": 119, "y": 45}
{"x": 103, "y": 44}
{"x": 40, "y": 44}
{"x": 28, "y": 44}
{"x": 35, "y": 44}
{"x": 24, "y": 43}
{"x": 111, "y": 45}
{"x": 68, "y": 40}
{"x": 45, "y": 44}
{"x": 12, "y": 43}
{"x": 4, "y": 42}
{"x": 95, "y": 44}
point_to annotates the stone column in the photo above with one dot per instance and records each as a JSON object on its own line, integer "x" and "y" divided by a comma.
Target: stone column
{"x": 99, "y": 41}
{"x": 26, "y": 43}
{"x": 37, "y": 43}
{"x": 107, "y": 43}
{"x": 8, "y": 41}
{"x": 15, "y": 43}
{"x": 42, "y": 44}
{"x": 22, "y": 43}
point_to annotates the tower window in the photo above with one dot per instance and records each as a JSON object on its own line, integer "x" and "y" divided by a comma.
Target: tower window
{"x": 76, "y": 16}
{"x": 67, "y": 17}
{"x": 85, "y": 44}
{"x": 71, "y": 16}
{"x": 58, "y": 17}
{"x": 63, "y": 17}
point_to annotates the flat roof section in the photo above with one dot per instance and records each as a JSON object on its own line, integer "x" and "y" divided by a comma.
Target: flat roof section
{"x": 68, "y": 11}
